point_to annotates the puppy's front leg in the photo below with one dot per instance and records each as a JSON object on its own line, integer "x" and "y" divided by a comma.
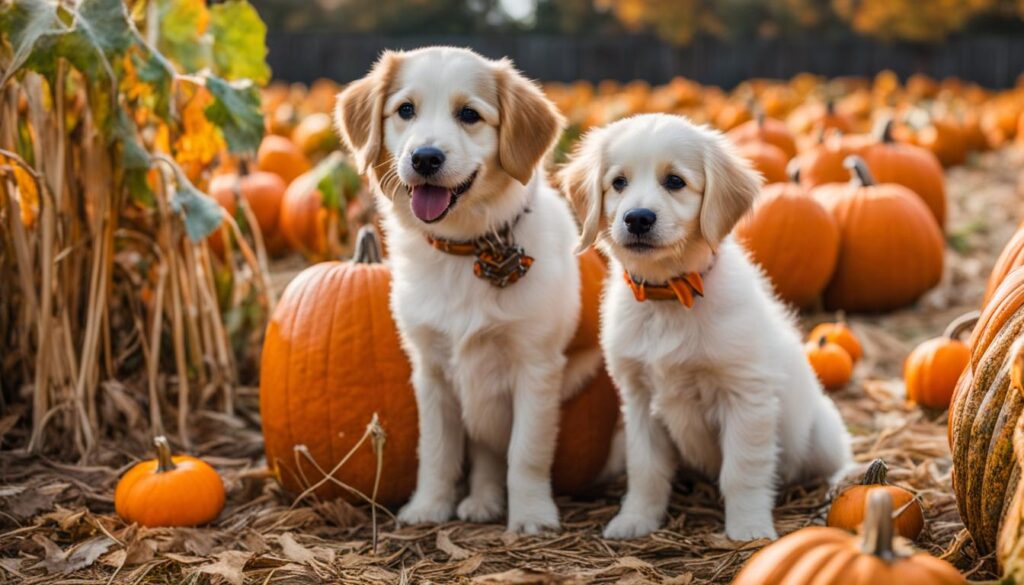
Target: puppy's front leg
{"x": 536, "y": 403}
{"x": 441, "y": 448}
{"x": 749, "y": 460}
{"x": 650, "y": 465}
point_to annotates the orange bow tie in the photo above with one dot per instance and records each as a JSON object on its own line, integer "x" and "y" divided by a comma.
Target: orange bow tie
{"x": 682, "y": 288}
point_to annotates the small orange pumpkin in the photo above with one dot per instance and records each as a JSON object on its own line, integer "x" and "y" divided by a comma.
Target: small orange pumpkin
{"x": 169, "y": 491}
{"x": 848, "y": 509}
{"x": 823, "y": 163}
{"x": 830, "y": 362}
{"x": 840, "y": 334}
{"x": 932, "y": 370}
{"x": 818, "y": 554}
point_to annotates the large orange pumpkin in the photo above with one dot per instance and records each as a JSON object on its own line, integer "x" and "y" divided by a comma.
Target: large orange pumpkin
{"x": 914, "y": 167}
{"x": 332, "y": 359}
{"x": 820, "y": 555}
{"x": 891, "y": 249}
{"x": 794, "y": 239}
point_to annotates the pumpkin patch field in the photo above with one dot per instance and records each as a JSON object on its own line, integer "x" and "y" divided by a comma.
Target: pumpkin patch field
{"x": 201, "y": 380}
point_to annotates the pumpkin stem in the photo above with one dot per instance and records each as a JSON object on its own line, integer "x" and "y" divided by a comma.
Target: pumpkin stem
{"x": 830, "y": 107}
{"x": 876, "y": 473}
{"x": 962, "y": 324}
{"x": 164, "y": 462}
{"x": 367, "y": 246}
{"x": 793, "y": 170}
{"x": 760, "y": 118}
{"x": 822, "y": 341}
{"x": 885, "y": 131}
{"x": 878, "y": 526}
{"x": 859, "y": 173}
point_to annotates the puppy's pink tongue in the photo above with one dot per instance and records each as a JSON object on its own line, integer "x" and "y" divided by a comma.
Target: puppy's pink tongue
{"x": 430, "y": 202}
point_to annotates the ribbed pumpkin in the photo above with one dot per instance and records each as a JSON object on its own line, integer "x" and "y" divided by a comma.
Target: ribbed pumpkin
{"x": 819, "y": 555}
{"x": 840, "y": 334}
{"x": 331, "y": 359}
{"x": 767, "y": 159}
{"x": 765, "y": 129}
{"x": 914, "y": 167}
{"x": 985, "y": 411}
{"x": 944, "y": 138}
{"x": 169, "y": 491}
{"x": 794, "y": 239}
{"x": 891, "y": 249}
{"x": 932, "y": 369}
{"x": 1011, "y": 257}
{"x": 315, "y": 134}
{"x": 1010, "y": 551}
{"x": 282, "y": 157}
{"x": 848, "y": 508}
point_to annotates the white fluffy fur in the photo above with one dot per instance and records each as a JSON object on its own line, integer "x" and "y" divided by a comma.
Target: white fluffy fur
{"x": 488, "y": 363}
{"x": 723, "y": 387}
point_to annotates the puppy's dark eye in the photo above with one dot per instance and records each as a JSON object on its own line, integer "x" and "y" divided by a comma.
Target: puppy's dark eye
{"x": 674, "y": 182}
{"x": 619, "y": 183}
{"x": 468, "y": 115}
{"x": 406, "y": 111}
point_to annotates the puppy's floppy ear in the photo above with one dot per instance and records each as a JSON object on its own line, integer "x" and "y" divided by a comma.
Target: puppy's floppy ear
{"x": 359, "y": 113}
{"x": 581, "y": 182}
{"x": 529, "y": 123}
{"x": 730, "y": 186}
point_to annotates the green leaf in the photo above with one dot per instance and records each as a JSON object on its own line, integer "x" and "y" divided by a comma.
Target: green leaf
{"x": 183, "y": 35}
{"x": 125, "y": 132}
{"x": 152, "y": 71}
{"x": 239, "y": 42}
{"x": 202, "y": 213}
{"x": 330, "y": 195}
{"x": 236, "y": 110}
{"x": 105, "y": 24}
{"x": 29, "y": 23}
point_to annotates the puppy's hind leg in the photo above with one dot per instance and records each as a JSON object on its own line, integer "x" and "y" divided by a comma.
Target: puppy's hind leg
{"x": 536, "y": 400}
{"x": 650, "y": 465}
{"x": 749, "y": 461}
{"x": 830, "y": 454}
{"x": 441, "y": 448}
{"x": 486, "y": 499}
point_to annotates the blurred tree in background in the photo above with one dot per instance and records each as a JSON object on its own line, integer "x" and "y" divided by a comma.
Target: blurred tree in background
{"x": 677, "y": 21}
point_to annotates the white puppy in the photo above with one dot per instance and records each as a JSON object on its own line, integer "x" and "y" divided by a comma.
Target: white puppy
{"x": 486, "y": 286}
{"x": 710, "y": 362}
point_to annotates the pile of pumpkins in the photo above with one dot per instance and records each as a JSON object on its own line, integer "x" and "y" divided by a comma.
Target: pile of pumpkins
{"x": 856, "y": 211}
{"x": 294, "y": 204}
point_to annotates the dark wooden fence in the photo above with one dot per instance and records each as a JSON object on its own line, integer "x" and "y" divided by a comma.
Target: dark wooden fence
{"x": 993, "y": 61}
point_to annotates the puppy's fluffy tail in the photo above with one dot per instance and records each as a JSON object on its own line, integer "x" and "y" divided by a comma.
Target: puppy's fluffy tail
{"x": 831, "y": 454}
{"x": 580, "y": 369}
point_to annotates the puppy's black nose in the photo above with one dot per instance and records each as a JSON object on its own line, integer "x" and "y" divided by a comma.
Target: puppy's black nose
{"x": 426, "y": 160}
{"x": 639, "y": 220}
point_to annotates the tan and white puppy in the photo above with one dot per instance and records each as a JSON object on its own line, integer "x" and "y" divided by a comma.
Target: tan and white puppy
{"x": 453, "y": 144}
{"x": 724, "y": 385}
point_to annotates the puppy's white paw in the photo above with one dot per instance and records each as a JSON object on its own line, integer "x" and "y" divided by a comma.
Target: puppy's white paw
{"x": 425, "y": 510}
{"x": 486, "y": 507}
{"x": 624, "y": 526}
{"x": 540, "y": 516}
{"x": 749, "y": 529}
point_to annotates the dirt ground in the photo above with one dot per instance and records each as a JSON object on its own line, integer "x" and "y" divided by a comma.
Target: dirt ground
{"x": 57, "y": 522}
